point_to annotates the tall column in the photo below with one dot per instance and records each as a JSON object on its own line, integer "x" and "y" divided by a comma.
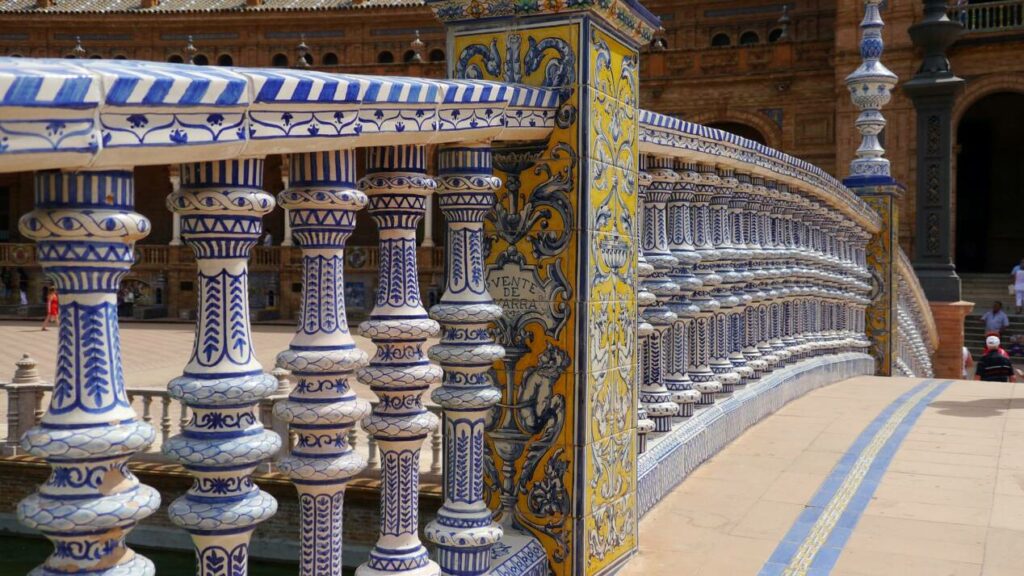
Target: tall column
{"x": 653, "y": 393}
{"x": 464, "y": 531}
{"x": 933, "y": 90}
{"x": 399, "y": 373}
{"x": 428, "y": 224}
{"x": 680, "y": 243}
{"x": 221, "y": 206}
{"x": 86, "y": 229}
{"x": 322, "y": 409}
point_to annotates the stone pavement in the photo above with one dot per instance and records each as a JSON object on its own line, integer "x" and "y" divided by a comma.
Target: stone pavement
{"x": 870, "y": 476}
{"x": 152, "y": 352}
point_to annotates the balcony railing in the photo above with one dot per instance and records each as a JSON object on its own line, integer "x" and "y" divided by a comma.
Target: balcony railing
{"x": 990, "y": 16}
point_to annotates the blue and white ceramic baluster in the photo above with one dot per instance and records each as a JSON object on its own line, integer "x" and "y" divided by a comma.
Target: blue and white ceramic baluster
{"x": 765, "y": 273}
{"x": 463, "y": 530}
{"x": 321, "y": 203}
{"x": 701, "y": 332}
{"x": 85, "y": 228}
{"x": 221, "y": 206}
{"x": 737, "y": 201}
{"x": 721, "y": 238}
{"x": 790, "y": 273}
{"x": 751, "y": 275}
{"x": 653, "y": 394}
{"x": 680, "y": 242}
{"x": 399, "y": 373}
{"x": 870, "y": 88}
{"x": 644, "y": 299}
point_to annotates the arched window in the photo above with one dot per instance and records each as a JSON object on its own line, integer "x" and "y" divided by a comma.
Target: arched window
{"x": 225, "y": 60}
{"x": 175, "y": 59}
{"x": 409, "y": 56}
{"x": 96, "y": 57}
{"x": 15, "y": 55}
{"x": 308, "y": 58}
{"x": 749, "y": 37}
{"x": 385, "y": 57}
{"x": 201, "y": 60}
{"x": 774, "y": 35}
{"x": 721, "y": 39}
{"x": 279, "y": 61}
{"x": 330, "y": 59}
{"x": 437, "y": 55}
{"x": 741, "y": 130}
{"x": 120, "y": 57}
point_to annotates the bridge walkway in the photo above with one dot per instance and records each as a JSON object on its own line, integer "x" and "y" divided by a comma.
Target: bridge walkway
{"x": 869, "y": 476}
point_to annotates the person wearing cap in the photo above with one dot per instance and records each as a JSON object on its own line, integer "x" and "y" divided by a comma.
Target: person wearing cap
{"x": 994, "y": 366}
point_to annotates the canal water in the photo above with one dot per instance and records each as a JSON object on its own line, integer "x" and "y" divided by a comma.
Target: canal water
{"x": 19, "y": 555}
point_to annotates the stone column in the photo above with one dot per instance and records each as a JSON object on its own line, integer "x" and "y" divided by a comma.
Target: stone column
{"x": 175, "y": 179}
{"x": 322, "y": 409}
{"x": 399, "y": 373}
{"x": 85, "y": 228}
{"x": 653, "y": 393}
{"x": 464, "y": 531}
{"x": 933, "y": 90}
{"x": 221, "y": 206}
{"x": 428, "y": 224}
{"x": 680, "y": 243}
{"x": 701, "y": 330}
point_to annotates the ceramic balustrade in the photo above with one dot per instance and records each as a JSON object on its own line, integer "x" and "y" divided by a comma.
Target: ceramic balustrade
{"x": 322, "y": 202}
{"x": 721, "y": 323}
{"x": 464, "y": 530}
{"x": 644, "y": 299}
{"x": 85, "y": 228}
{"x": 654, "y": 395}
{"x": 399, "y": 372}
{"x": 221, "y": 206}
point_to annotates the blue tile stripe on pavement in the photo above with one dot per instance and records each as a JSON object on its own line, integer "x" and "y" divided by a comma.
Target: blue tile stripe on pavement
{"x": 817, "y": 537}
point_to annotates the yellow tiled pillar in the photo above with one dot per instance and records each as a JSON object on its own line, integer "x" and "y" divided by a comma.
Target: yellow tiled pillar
{"x": 562, "y": 265}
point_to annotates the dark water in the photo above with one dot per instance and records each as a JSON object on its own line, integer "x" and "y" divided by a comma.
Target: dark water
{"x": 18, "y": 555}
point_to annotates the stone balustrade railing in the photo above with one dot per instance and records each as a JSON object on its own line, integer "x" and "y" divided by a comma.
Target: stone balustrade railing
{"x": 916, "y": 335}
{"x": 989, "y": 16}
{"x": 753, "y": 269}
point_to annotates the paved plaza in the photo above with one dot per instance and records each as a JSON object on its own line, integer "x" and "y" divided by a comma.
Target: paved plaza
{"x": 871, "y": 476}
{"x": 153, "y": 352}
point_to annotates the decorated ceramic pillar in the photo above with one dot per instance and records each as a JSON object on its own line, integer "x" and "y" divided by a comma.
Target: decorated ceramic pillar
{"x": 747, "y": 200}
{"x": 721, "y": 238}
{"x": 653, "y": 393}
{"x": 790, "y": 274}
{"x": 463, "y": 530}
{"x": 644, "y": 298}
{"x": 85, "y": 228}
{"x": 779, "y": 294}
{"x": 680, "y": 242}
{"x": 399, "y": 372}
{"x": 701, "y": 332}
{"x": 560, "y": 263}
{"x": 322, "y": 409}
{"x": 766, "y": 273}
{"x": 221, "y": 206}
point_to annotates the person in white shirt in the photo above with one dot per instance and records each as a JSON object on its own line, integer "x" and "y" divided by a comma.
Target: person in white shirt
{"x": 995, "y": 320}
{"x": 968, "y": 361}
{"x": 1017, "y": 278}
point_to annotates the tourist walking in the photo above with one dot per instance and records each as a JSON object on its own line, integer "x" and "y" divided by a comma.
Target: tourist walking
{"x": 993, "y": 366}
{"x": 52, "y": 307}
{"x": 995, "y": 320}
{"x": 1017, "y": 279}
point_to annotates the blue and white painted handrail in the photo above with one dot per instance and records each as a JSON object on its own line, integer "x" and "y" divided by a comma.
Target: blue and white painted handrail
{"x": 74, "y": 114}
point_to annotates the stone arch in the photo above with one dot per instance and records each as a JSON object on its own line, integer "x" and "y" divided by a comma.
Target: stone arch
{"x": 975, "y": 90}
{"x": 762, "y": 124}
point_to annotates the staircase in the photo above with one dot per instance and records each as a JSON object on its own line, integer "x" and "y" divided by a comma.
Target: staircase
{"x": 984, "y": 289}
{"x": 974, "y": 332}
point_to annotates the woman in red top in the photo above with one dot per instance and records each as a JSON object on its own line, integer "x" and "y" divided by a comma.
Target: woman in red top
{"x": 52, "y": 307}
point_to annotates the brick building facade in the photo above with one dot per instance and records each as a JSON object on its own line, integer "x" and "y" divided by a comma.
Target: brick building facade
{"x": 768, "y": 70}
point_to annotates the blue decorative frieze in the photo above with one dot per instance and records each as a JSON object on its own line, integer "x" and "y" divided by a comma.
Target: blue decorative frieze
{"x": 221, "y": 205}
{"x": 85, "y": 228}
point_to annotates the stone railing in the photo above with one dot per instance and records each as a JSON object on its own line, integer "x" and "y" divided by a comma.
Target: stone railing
{"x": 916, "y": 335}
{"x": 989, "y": 16}
{"x": 25, "y": 401}
{"x": 753, "y": 289}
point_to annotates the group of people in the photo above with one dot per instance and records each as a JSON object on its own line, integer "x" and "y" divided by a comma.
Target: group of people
{"x": 995, "y": 364}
